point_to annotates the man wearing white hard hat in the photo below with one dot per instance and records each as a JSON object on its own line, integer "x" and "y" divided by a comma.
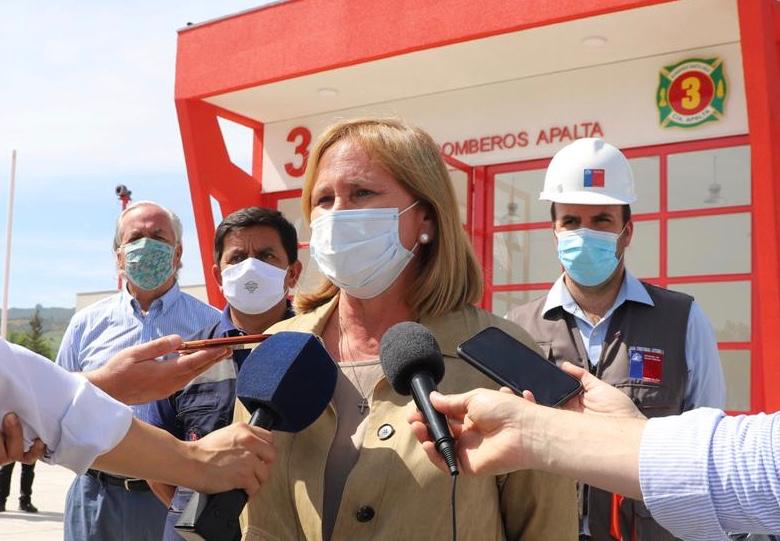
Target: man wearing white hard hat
{"x": 655, "y": 345}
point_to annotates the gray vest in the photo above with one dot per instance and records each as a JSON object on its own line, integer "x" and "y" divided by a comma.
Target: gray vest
{"x": 644, "y": 356}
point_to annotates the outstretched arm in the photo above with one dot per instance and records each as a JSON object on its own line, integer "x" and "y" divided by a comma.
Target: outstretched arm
{"x": 238, "y": 456}
{"x": 498, "y": 432}
{"x": 723, "y": 468}
{"x": 136, "y": 375}
{"x": 12, "y": 443}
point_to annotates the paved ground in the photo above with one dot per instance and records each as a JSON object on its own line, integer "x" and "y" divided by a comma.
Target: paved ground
{"x": 51, "y": 484}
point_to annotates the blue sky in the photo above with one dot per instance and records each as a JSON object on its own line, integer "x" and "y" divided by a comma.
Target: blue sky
{"x": 86, "y": 98}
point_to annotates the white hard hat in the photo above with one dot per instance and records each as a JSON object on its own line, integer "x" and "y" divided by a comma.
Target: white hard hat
{"x": 589, "y": 172}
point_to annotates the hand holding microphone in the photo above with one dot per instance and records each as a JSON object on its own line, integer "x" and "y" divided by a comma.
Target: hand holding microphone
{"x": 222, "y": 459}
{"x": 412, "y": 362}
{"x": 285, "y": 383}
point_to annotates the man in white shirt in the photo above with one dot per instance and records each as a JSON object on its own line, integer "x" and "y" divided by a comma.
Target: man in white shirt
{"x": 64, "y": 419}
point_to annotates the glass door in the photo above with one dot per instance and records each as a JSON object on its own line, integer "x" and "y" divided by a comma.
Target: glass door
{"x": 692, "y": 233}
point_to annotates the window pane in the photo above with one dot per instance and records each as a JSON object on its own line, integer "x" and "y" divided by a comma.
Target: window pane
{"x": 643, "y": 254}
{"x": 521, "y": 257}
{"x": 311, "y": 277}
{"x": 516, "y": 198}
{"x": 736, "y": 370}
{"x": 709, "y": 178}
{"x": 709, "y": 245}
{"x": 727, "y": 304}
{"x": 647, "y": 171}
{"x": 460, "y": 182}
{"x": 216, "y": 211}
{"x": 504, "y": 302}
{"x": 291, "y": 208}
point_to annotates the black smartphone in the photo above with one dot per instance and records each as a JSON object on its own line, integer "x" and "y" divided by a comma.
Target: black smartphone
{"x": 513, "y": 364}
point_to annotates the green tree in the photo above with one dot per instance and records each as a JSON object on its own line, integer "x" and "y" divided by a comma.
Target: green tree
{"x": 34, "y": 339}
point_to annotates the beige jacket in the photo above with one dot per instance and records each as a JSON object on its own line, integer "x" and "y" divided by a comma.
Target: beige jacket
{"x": 409, "y": 497}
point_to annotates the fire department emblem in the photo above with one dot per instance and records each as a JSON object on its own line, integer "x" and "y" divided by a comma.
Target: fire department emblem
{"x": 691, "y": 93}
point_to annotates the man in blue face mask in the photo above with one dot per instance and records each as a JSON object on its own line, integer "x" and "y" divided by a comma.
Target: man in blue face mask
{"x": 147, "y": 244}
{"x": 655, "y": 345}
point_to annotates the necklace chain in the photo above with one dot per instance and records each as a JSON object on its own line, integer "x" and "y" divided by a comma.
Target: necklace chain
{"x": 363, "y": 404}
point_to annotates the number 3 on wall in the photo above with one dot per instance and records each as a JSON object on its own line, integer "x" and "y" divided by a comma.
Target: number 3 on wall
{"x": 692, "y": 97}
{"x": 301, "y": 138}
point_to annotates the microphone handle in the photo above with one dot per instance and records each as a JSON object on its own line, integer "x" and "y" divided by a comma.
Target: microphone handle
{"x": 263, "y": 418}
{"x": 422, "y": 384}
{"x": 215, "y": 517}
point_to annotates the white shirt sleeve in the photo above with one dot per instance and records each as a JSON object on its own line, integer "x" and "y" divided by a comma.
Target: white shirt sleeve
{"x": 706, "y": 385}
{"x": 703, "y": 474}
{"x": 76, "y": 420}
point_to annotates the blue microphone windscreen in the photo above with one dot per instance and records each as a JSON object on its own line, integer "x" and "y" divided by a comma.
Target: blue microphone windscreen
{"x": 291, "y": 374}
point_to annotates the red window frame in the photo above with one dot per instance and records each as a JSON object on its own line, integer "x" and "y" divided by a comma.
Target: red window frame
{"x": 663, "y": 215}
{"x": 481, "y": 229}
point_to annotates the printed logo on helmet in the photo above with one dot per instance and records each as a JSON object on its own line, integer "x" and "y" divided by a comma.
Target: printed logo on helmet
{"x": 593, "y": 178}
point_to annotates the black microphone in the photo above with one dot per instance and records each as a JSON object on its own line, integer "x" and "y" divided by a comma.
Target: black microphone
{"x": 411, "y": 360}
{"x": 286, "y": 383}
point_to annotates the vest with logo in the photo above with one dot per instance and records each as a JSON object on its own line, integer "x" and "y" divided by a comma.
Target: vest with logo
{"x": 643, "y": 355}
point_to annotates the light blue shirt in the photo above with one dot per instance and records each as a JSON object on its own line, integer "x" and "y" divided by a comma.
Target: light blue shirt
{"x": 706, "y": 385}
{"x": 98, "y": 332}
{"x": 703, "y": 474}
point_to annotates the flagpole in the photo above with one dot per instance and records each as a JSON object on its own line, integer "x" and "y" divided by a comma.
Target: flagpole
{"x": 8, "y": 230}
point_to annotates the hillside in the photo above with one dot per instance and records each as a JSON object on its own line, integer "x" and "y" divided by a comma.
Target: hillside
{"x": 55, "y": 320}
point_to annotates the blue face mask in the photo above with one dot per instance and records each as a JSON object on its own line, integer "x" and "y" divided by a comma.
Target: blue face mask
{"x": 588, "y": 256}
{"x": 148, "y": 263}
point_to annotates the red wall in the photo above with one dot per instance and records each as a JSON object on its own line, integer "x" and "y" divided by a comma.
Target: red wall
{"x": 294, "y": 38}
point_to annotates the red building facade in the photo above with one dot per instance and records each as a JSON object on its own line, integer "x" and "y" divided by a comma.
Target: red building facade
{"x": 690, "y": 90}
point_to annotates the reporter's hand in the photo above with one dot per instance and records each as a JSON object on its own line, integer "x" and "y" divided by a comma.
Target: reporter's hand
{"x": 237, "y": 456}
{"x": 136, "y": 375}
{"x": 598, "y": 397}
{"x": 12, "y": 443}
{"x": 488, "y": 428}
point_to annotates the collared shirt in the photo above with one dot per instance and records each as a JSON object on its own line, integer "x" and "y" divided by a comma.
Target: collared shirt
{"x": 393, "y": 491}
{"x": 703, "y": 474}
{"x": 76, "y": 420}
{"x": 101, "y": 330}
{"x": 706, "y": 385}
{"x": 203, "y": 406}
{"x": 206, "y": 403}
{"x": 226, "y": 327}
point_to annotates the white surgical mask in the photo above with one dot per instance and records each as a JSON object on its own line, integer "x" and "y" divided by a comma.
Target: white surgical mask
{"x": 360, "y": 250}
{"x": 252, "y": 286}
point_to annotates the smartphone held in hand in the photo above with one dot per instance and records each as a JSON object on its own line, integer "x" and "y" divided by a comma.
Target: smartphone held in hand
{"x": 513, "y": 364}
{"x": 230, "y": 342}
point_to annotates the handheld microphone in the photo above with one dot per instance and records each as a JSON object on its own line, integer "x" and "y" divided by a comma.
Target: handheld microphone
{"x": 411, "y": 360}
{"x": 286, "y": 383}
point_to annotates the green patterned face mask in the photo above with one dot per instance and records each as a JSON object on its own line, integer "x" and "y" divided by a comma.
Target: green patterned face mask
{"x": 148, "y": 263}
